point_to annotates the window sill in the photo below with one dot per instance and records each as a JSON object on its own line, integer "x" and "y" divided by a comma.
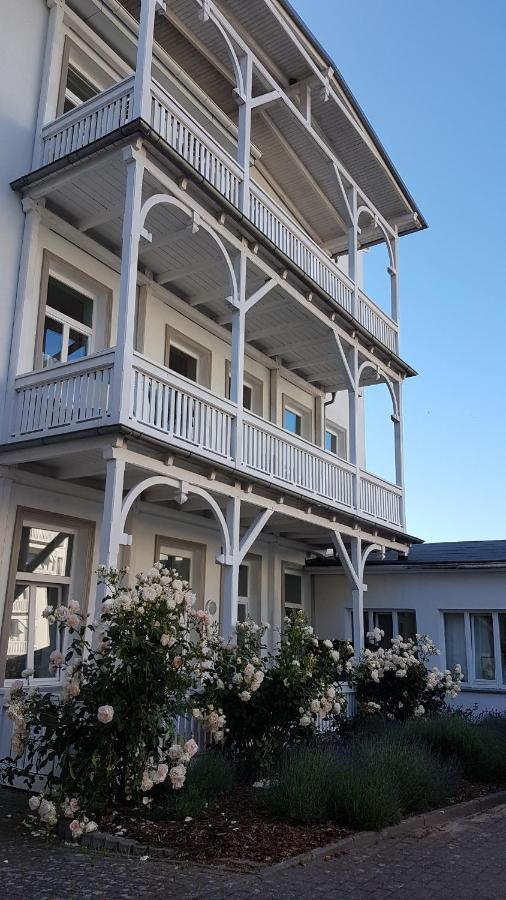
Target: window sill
{"x": 482, "y": 689}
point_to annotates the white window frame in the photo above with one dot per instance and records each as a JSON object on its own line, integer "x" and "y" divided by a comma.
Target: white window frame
{"x": 177, "y": 551}
{"x": 287, "y": 604}
{"x": 469, "y": 664}
{"x": 66, "y": 273}
{"x": 178, "y": 345}
{"x": 303, "y": 412}
{"x": 202, "y": 355}
{"x": 244, "y": 599}
{"x": 33, "y": 580}
{"x": 341, "y": 436}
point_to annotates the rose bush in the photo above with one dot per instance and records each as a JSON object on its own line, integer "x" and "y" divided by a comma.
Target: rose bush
{"x": 397, "y": 683}
{"x": 125, "y": 678}
{"x": 262, "y": 703}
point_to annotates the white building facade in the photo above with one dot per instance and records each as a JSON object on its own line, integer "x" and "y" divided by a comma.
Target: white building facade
{"x": 455, "y": 592}
{"x": 186, "y": 193}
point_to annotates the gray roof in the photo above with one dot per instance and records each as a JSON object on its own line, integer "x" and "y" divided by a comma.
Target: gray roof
{"x": 451, "y": 554}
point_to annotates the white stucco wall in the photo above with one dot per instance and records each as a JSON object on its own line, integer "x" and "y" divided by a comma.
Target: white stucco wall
{"x": 22, "y": 36}
{"x": 429, "y": 593}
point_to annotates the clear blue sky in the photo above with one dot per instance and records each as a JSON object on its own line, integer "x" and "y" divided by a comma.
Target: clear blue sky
{"x": 431, "y": 77}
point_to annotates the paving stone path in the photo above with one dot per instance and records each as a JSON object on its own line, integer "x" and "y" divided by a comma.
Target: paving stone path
{"x": 463, "y": 860}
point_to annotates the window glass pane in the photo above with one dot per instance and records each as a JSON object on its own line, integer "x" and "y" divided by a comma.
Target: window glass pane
{"x": 79, "y": 86}
{"x": 52, "y": 342}
{"x": 384, "y": 621}
{"x": 247, "y": 395}
{"x": 242, "y": 612}
{"x": 455, "y": 641}
{"x": 182, "y": 363}
{"x": 45, "y": 551}
{"x": 17, "y": 646}
{"x": 70, "y": 302}
{"x": 407, "y": 623}
{"x": 483, "y": 640}
{"x": 182, "y": 564}
{"x": 243, "y": 581}
{"x": 293, "y": 588}
{"x": 502, "y": 633}
{"x": 45, "y": 638}
{"x": 78, "y": 345}
{"x": 292, "y": 422}
{"x": 330, "y": 442}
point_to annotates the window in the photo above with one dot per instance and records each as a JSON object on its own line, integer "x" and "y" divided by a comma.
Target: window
{"x": 335, "y": 441}
{"x": 392, "y": 622}
{"x": 243, "y": 593}
{"x": 292, "y": 421}
{"x": 252, "y": 391}
{"x": 68, "y": 323}
{"x": 187, "y": 357}
{"x": 42, "y": 579}
{"x": 78, "y": 89}
{"x": 477, "y": 642}
{"x": 183, "y": 363}
{"x": 179, "y": 562}
{"x": 292, "y": 592}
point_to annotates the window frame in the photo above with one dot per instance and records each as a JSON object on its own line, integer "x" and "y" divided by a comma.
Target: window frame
{"x": 55, "y": 267}
{"x": 90, "y": 64}
{"x": 244, "y": 599}
{"x": 255, "y": 385}
{"x": 341, "y": 436}
{"x": 287, "y": 605}
{"x": 303, "y": 412}
{"x": 78, "y": 582}
{"x": 197, "y": 553}
{"x": 469, "y": 663}
{"x": 201, "y": 354}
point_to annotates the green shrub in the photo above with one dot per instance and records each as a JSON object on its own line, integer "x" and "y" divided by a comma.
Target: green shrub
{"x": 479, "y": 746}
{"x": 363, "y": 798}
{"x": 212, "y": 773}
{"x": 300, "y": 791}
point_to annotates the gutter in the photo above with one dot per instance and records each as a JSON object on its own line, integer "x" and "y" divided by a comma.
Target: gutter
{"x": 138, "y": 127}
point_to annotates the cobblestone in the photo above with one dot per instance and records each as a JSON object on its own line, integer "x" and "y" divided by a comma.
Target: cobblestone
{"x": 462, "y": 860}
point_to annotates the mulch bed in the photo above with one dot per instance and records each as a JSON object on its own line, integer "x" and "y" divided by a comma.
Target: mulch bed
{"x": 234, "y": 829}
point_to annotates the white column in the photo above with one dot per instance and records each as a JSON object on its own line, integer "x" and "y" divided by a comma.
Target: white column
{"x": 123, "y": 358}
{"x": 231, "y": 575}
{"x": 142, "y": 85}
{"x": 51, "y": 74}
{"x": 353, "y": 423}
{"x": 237, "y": 361}
{"x": 394, "y": 275}
{"x": 353, "y": 249}
{"x": 26, "y": 308}
{"x": 399, "y": 448}
{"x": 358, "y": 597}
{"x": 111, "y": 529}
{"x": 244, "y": 131}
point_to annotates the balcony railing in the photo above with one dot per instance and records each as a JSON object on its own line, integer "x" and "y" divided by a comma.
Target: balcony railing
{"x": 166, "y": 406}
{"x": 113, "y": 108}
{"x": 67, "y": 396}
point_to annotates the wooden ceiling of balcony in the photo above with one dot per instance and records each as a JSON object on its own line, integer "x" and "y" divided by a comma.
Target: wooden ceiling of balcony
{"x": 199, "y": 49}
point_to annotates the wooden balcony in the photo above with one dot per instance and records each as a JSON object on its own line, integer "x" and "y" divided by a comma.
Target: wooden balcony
{"x": 174, "y": 410}
{"x": 112, "y": 109}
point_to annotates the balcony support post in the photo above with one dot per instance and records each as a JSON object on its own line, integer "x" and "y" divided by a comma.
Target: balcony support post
{"x": 142, "y": 84}
{"x": 244, "y": 130}
{"x": 354, "y": 422}
{"x": 399, "y": 448}
{"x": 394, "y": 275}
{"x": 237, "y": 361}
{"x": 134, "y": 157}
{"x": 26, "y": 307}
{"x": 353, "y": 248}
{"x": 111, "y": 527}
{"x": 353, "y": 565}
{"x": 50, "y": 78}
{"x": 232, "y": 563}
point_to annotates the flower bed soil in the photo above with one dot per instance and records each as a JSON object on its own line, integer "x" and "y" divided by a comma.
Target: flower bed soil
{"x": 235, "y": 828}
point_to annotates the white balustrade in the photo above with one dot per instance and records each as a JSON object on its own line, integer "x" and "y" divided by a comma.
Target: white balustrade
{"x": 68, "y": 395}
{"x": 88, "y": 122}
{"x": 113, "y": 107}
{"x": 380, "y": 499}
{"x": 278, "y": 455}
{"x": 197, "y": 148}
{"x": 168, "y": 404}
